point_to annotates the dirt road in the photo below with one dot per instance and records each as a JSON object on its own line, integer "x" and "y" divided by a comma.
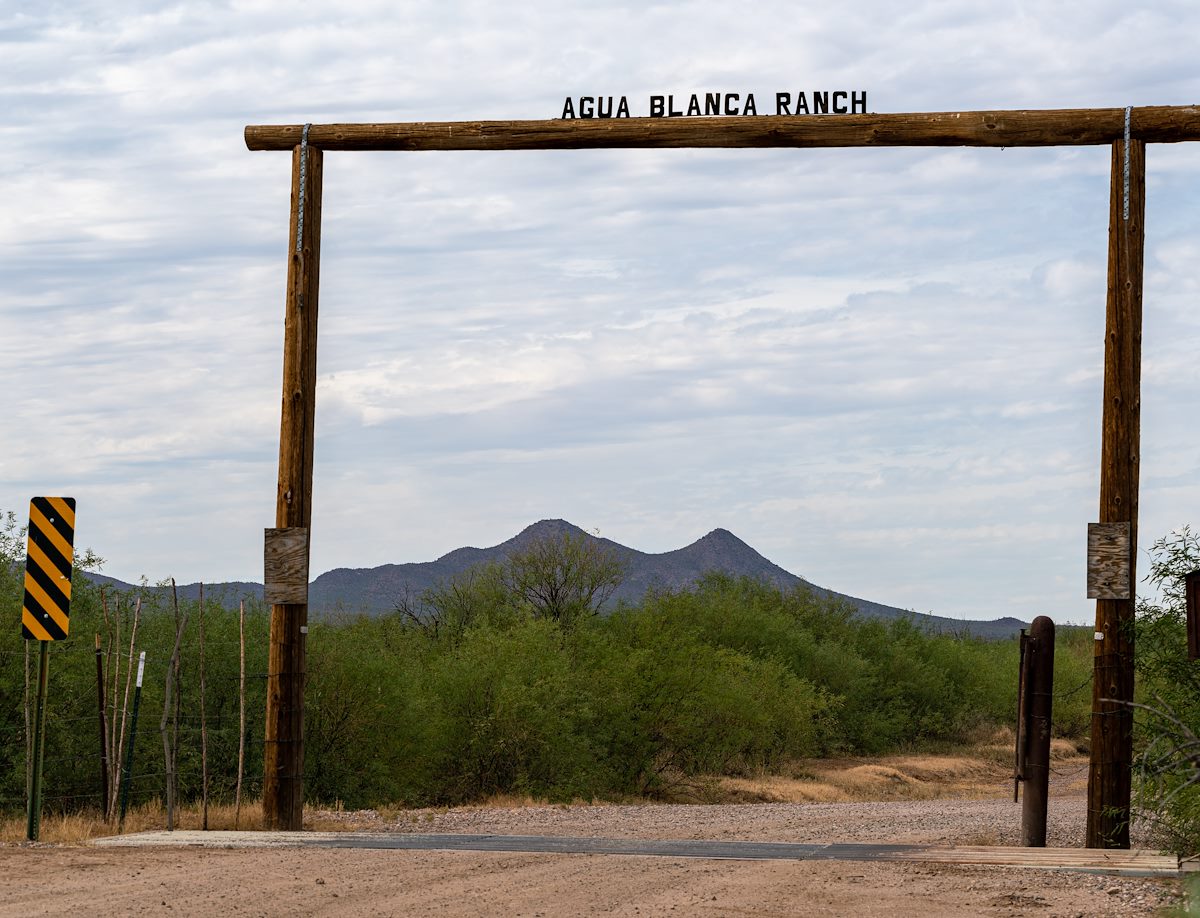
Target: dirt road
{"x": 103, "y": 882}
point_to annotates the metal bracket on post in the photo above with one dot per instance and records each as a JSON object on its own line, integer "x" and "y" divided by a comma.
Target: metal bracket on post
{"x": 1125, "y": 201}
{"x": 303, "y": 182}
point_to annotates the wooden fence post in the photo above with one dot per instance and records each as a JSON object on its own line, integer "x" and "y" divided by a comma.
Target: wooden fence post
{"x": 170, "y": 738}
{"x": 241, "y": 766}
{"x": 283, "y": 755}
{"x": 103, "y": 725}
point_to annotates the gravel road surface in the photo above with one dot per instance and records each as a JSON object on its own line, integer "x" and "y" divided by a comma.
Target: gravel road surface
{"x": 48, "y": 880}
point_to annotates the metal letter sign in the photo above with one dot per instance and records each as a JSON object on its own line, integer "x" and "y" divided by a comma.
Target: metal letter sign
{"x": 48, "y": 568}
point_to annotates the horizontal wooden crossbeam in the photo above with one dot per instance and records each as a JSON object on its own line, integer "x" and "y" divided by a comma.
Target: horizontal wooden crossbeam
{"x": 1045, "y": 128}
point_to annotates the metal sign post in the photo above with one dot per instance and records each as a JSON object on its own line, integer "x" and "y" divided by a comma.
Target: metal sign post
{"x": 44, "y": 614}
{"x": 33, "y": 826}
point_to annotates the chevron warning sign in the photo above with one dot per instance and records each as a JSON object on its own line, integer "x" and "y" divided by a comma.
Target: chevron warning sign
{"x": 48, "y": 568}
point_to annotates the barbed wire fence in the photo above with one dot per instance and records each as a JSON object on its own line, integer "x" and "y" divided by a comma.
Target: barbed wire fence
{"x": 213, "y": 755}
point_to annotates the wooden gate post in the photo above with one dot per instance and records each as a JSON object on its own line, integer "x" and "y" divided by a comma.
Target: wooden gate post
{"x": 283, "y": 753}
{"x": 1111, "y": 769}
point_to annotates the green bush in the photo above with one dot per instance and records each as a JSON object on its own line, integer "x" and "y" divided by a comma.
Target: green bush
{"x": 1168, "y": 687}
{"x": 475, "y": 690}
{"x": 676, "y": 705}
{"x": 883, "y": 685}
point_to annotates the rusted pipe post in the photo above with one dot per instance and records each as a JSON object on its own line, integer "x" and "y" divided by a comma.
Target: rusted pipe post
{"x": 1039, "y": 689}
{"x": 1192, "y": 588}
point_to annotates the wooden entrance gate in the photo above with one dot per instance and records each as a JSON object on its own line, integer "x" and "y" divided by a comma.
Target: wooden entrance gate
{"x": 1127, "y": 130}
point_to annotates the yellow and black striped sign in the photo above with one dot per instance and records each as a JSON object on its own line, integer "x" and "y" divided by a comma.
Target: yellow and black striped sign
{"x": 48, "y": 568}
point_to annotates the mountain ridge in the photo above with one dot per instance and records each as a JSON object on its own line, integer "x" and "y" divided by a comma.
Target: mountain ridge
{"x": 377, "y": 590}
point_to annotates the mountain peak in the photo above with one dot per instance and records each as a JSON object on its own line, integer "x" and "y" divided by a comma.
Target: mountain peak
{"x": 549, "y": 529}
{"x": 721, "y": 542}
{"x": 720, "y": 537}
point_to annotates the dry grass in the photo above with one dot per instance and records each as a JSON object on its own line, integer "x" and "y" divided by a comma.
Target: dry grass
{"x": 981, "y": 771}
{"x": 892, "y": 778}
{"x": 67, "y": 829}
{"x": 999, "y": 746}
{"x": 77, "y": 828}
{"x": 776, "y": 789}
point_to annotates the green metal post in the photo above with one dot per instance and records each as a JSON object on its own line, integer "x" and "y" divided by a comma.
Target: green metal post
{"x": 39, "y": 744}
{"x": 127, "y": 773}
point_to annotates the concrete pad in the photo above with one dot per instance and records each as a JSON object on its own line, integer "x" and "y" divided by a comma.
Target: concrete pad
{"x": 1116, "y": 862}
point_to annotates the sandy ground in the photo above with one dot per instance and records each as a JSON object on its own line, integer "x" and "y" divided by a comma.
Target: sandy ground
{"x": 47, "y": 880}
{"x": 369, "y": 883}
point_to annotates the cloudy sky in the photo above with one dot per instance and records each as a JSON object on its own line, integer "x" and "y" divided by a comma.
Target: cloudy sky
{"x": 881, "y": 368}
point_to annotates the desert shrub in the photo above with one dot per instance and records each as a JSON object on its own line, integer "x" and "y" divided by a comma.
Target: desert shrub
{"x": 510, "y": 716}
{"x": 1073, "y": 665}
{"x": 349, "y": 715}
{"x": 476, "y": 691}
{"x": 613, "y": 708}
{"x": 1168, "y": 685}
{"x": 676, "y": 704}
{"x": 883, "y": 684}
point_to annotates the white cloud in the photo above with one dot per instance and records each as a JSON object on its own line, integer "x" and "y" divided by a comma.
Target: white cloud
{"x": 881, "y": 367}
